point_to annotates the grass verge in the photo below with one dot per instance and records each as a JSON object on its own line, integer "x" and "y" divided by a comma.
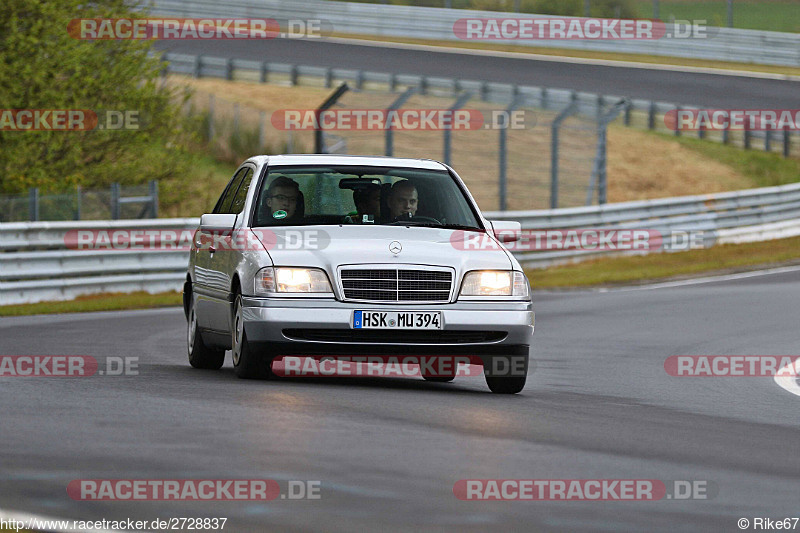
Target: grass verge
{"x": 764, "y": 169}
{"x": 96, "y": 302}
{"x": 723, "y": 259}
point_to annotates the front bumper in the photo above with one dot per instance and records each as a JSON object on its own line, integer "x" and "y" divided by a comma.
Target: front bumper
{"x": 278, "y": 325}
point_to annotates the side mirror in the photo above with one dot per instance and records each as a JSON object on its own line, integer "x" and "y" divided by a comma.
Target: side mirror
{"x": 217, "y": 222}
{"x": 506, "y": 230}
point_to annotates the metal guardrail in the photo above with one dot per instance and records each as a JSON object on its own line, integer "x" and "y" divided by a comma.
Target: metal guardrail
{"x": 722, "y": 44}
{"x": 35, "y": 264}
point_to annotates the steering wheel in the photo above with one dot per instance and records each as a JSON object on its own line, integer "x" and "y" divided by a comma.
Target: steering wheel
{"x": 416, "y": 218}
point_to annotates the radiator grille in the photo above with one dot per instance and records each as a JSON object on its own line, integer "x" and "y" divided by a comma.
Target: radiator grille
{"x": 396, "y": 285}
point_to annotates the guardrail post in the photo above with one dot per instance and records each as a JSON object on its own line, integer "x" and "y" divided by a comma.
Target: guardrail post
{"x": 397, "y": 104}
{"x": 628, "y": 108}
{"x": 262, "y": 138}
{"x": 210, "y": 117}
{"x": 115, "y": 193}
{"x": 463, "y": 99}
{"x": 423, "y": 85}
{"x": 651, "y": 116}
{"x": 319, "y": 138}
{"x": 747, "y": 137}
{"x": 767, "y": 140}
{"x": 359, "y": 79}
{"x": 701, "y": 129}
{"x": 328, "y": 78}
{"x": 263, "y": 74}
{"x": 33, "y": 204}
{"x": 726, "y": 133}
{"x": 154, "y": 198}
{"x": 787, "y": 143}
{"x": 484, "y": 91}
{"x": 293, "y": 75}
{"x": 544, "y": 98}
{"x": 392, "y": 82}
{"x": 503, "y": 153}
{"x": 229, "y": 69}
{"x": 198, "y": 65}
{"x": 554, "y": 130}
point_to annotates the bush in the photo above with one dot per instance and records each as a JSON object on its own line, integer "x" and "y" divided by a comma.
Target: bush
{"x": 43, "y": 67}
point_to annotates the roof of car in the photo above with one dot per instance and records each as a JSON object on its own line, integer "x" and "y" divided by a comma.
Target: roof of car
{"x": 328, "y": 159}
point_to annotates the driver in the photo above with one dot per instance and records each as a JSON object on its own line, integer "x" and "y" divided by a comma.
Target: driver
{"x": 403, "y": 200}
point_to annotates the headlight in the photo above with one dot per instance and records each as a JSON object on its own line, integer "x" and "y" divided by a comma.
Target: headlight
{"x": 494, "y": 283}
{"x": 292, "y": 280}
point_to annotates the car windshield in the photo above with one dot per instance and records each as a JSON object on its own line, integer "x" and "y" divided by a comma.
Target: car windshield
{"x": 328, "y": 195}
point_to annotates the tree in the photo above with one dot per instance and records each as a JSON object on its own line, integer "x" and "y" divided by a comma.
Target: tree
{"x": 42, "y": 67}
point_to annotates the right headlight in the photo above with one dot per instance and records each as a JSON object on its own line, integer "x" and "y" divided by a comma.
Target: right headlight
{"x": 494, "y": 283}
{"x": 285, "y": 280}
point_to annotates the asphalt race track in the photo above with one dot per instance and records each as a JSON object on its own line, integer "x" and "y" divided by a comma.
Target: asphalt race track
{"x": 688, "y": 88}
{"x": 598, "y": 405}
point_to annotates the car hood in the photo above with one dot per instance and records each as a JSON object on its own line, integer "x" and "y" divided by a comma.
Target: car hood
{"x": 329, "y": 247}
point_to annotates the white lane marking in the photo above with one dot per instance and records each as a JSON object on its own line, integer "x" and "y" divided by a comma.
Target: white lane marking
{"x": 566, "y": 59}
{"x": 697, "y": 281}
{"x": 789, "y": 382}
{"x": 38, "y": 522}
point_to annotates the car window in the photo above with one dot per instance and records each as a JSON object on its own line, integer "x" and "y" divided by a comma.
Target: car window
{"x": 224, "y": 202}
{"x": 241, "y": 195}
{"x": 320, "y": 195}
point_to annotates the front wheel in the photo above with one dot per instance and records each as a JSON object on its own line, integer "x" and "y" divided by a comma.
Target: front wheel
{"x": 506, "y": 374}
{"x": 247, "y": 364}
{"x": 200, "y": 355}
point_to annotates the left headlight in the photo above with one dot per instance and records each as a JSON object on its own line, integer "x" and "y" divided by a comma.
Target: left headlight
{"x": 494, "y": 283}
{"x": 291, "y": 280}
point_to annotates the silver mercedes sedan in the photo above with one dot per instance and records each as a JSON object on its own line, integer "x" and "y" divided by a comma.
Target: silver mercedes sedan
{"x": 330, "y": 256}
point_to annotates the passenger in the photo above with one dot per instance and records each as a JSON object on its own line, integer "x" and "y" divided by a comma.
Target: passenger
{"x": 368, "y": 203}
{"x": 283, "y": 197}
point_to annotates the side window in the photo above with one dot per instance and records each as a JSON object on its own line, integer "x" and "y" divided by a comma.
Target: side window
{"x": 224, "y": 202}
{"x": 241, "y": 195}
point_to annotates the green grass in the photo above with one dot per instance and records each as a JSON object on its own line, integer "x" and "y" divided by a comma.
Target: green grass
{"x": 774, "y": 15}
{"x": 765, "y": 169}
{"x": 96, "y": 302}
{"x": 660, "y": 266}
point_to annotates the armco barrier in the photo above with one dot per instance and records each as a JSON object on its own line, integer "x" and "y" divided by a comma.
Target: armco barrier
{"x": 723, "y": 44}
{"x": 35, "y": 264}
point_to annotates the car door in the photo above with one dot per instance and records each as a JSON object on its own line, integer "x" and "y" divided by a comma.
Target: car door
{"x": 211, "y": 291}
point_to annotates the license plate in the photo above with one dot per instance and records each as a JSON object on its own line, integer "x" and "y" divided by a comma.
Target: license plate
{"x": 397, "y": 320}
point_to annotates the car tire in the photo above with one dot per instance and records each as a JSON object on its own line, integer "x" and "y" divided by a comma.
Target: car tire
{"x": 510, "y": 377}
{"x": 200, "y": 355}
{"x": 247, "y": 364}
